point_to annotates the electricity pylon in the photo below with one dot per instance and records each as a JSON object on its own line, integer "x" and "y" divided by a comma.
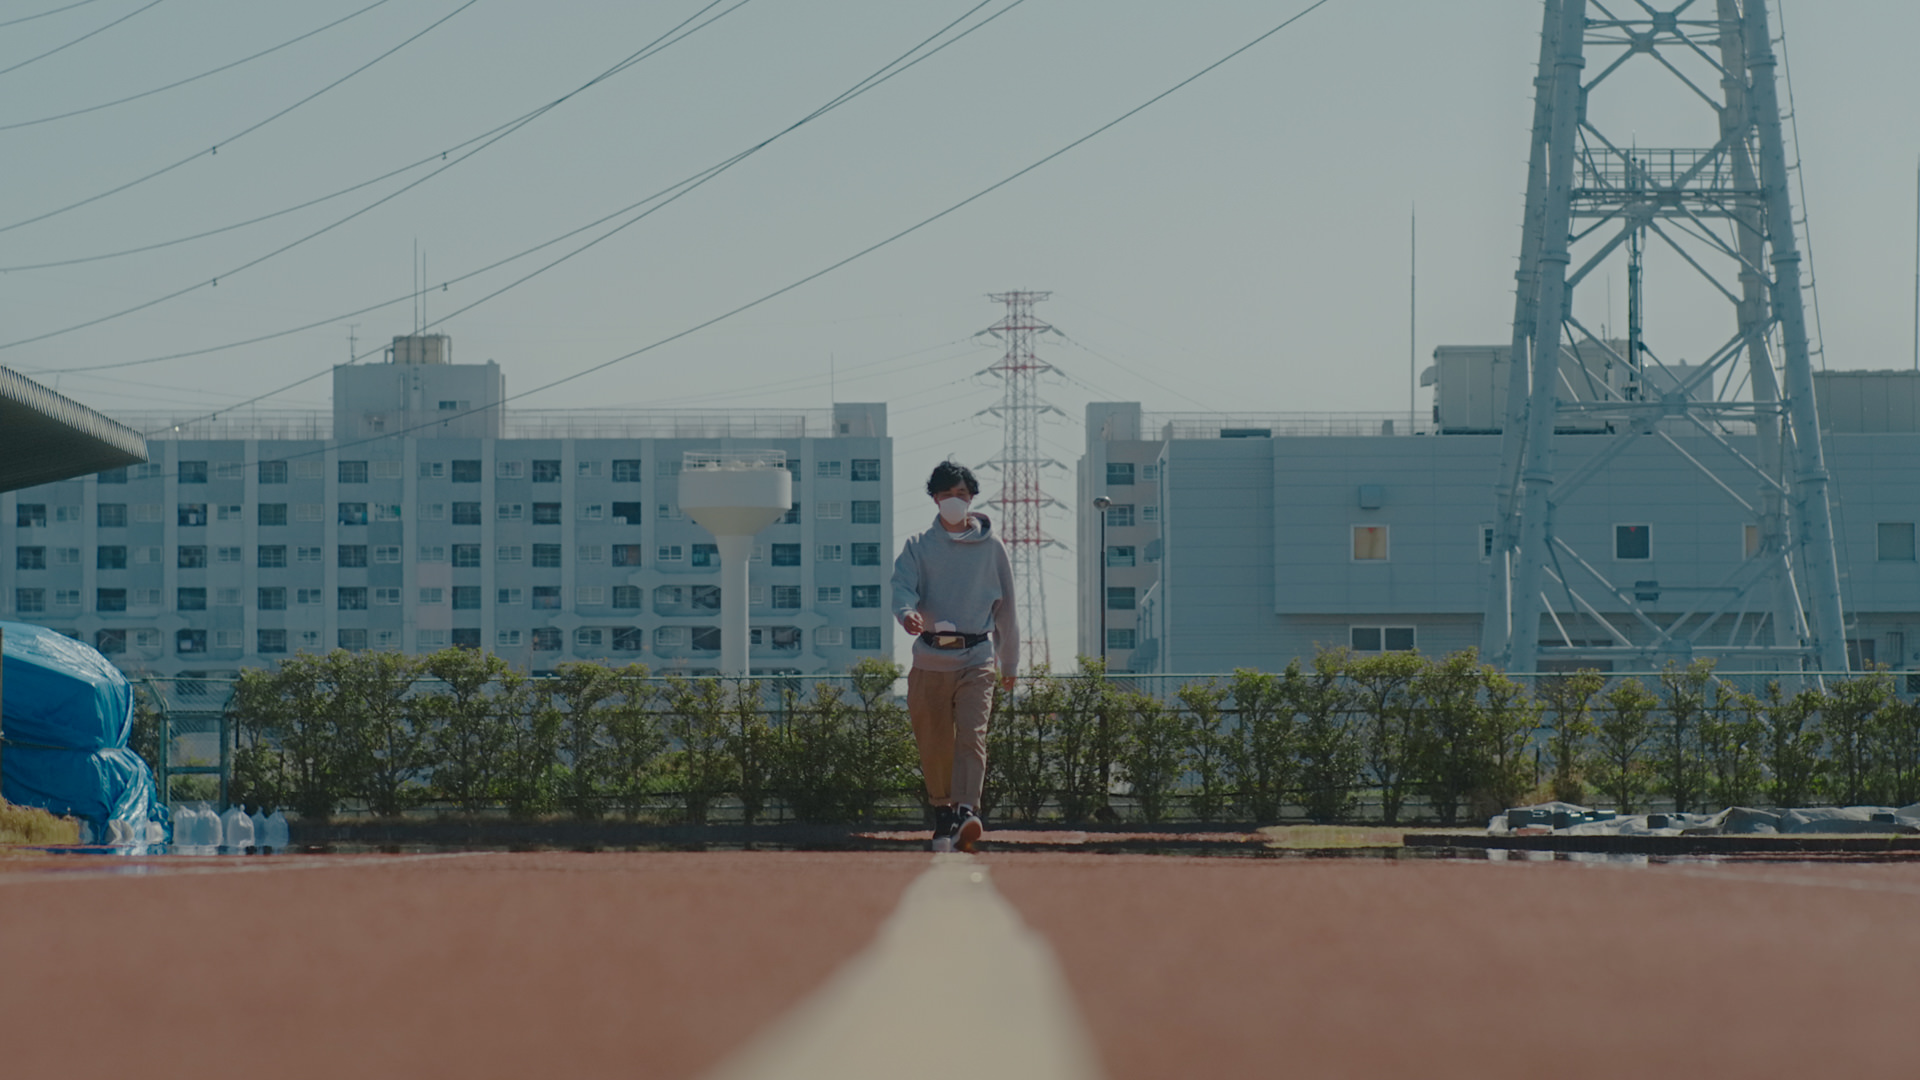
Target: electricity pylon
{"x": 1745, "y": 415}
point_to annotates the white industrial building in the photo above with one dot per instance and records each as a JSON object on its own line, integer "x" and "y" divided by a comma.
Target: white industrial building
{"x": 421, "y": 513}
{"x": 1250, "y": 540}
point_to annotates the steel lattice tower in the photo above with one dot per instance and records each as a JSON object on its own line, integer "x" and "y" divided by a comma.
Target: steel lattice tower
{"x": 1746, "y": 413}
{"x": 1021, "y": 500}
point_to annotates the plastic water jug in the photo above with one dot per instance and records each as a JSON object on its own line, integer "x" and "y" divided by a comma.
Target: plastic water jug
{"x": 277, "y": 831}
{"x": 236, "y": 830}
{"x": 259, "y": 829}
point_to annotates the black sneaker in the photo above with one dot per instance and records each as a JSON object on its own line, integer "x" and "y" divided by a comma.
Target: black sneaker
{"x": 967, "y": 829}
{"x": 944, "y": 824}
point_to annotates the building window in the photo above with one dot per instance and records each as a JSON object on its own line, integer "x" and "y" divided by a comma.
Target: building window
{"x": 34, "y": 601}
{"x": 546, "y": 472}
{"x": 468, "y": 556}
{"x": 866, "y": 512}
{"x": 190, "y": 599}
{"x": 226, "y": 598}
{"x": 270, "y": 641}
{"x": 353, "y": 472}
{"x": 229, "y": 554}
{"x": 510, "y": 470}
{"x": 272, "y": 556}
{"x": 1633, "y": 542}
{"x": 705, "y": 638}
{"x": 433, "y": 595}
{"x": 351, "y": 556}
{"x": 466, "y": 598}
{"x": 626, "y": 554}
{"x": 429, "y": 553}
{"x": 588, "y": 637}
{"x": 466, "y": 513}
{"x": 704, "y": 597}
{"x": 1894, "y": 541}
{"x": 626, "y": 470}
{"x": 353, "y": 598}
{"x": 1860, "y": 654}
{"x": 1119, "y": 473}
{"x": 430, "y": 640}
{"x": 626, "y": 597}
{"x": 864, "y": 469}
{"x": 146, "y": 598}
{"x": 1121, "y": 637}
{"x": 307, "y": 597}
{"x": 786, "y": 597}
{"x": 589, "y": 596}
{"x": 546, "y": 513}
{"x": 591, "y": 554}
{"x": 546, "y": 639}
{"x": 829, "y": 637}
{"x": 786, "y": 554}
{"x": 114, "y": 557}
{"x": 111, "y": 515}
{"x": 866, "y": 638}
{"x": 353, "y": 513}
{"x": 193, "y": 472}
{"x": 1149, "y": 514}
{"x": 1119, "y": 515}
{"x": 190, "y": 641}
{"x": 792, "y": 516}
{"x": 669, "y": 512}
{"x": 826, "y": 594}
{"x": 627, "y": 513}
{"x": 1120, "y": 598}
{"x": 110, "y": 642}
{"x": 388, "y": 596}
{"x": 674, "y": 553}
{"x": 1120, "y": 555}
{"x": 546, "y": 598}
{"x": 1381, "y": 638}
{"x": 506, "y": 639}
{"x": 386, "y": 511}
{"x": 706, "y": 555}
{"x": 827, "y": 470}
{"x": 66, "y": 598}
{"x": 387, "y": 470}
{"x": 508, "y": 553}
{"x": 1485, "y": 537}
{"x": 112, "y": 476}
{"x": 273, "y": 513}
{"x": 866, "y": 554}
{"x": 465, "y": 472}
{"x": 866, "y": 596}
{"x": 228, "y": 512}
{"x": 433, "y": 511}
{"x": 191, "y": 515}
{"x": 433, "y": 470}
{"x": 629, "y": 639}
{"x": 509, "y": 596}
{"x": 546, "y": 556}
{"x": 353, "y": 640}
{"x": 68, "y": 556}
{"x": 510, "y": 512}
{"x": 387, "y": 553}
{"x": 587, "y": 468}
{"x": 1369, "y": 543}
{"x": 30, "y": 515}
{"x": 309, "y": 512}
{"x": 30, "y": 558}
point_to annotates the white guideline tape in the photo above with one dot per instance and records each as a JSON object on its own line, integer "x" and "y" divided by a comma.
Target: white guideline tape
{"x": 955, "y": 986}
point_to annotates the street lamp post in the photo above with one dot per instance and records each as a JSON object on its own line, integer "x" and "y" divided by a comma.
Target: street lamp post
{"x": 1100, "y": 504}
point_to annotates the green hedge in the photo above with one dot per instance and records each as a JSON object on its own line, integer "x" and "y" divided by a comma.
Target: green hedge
{"x": 1390, "y": 736}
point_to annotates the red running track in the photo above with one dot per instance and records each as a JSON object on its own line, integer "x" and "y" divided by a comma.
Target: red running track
{"x": 643, "y": 965}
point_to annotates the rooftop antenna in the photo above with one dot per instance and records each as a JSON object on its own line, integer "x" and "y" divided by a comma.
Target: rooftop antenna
{"x": 353, "y": 343}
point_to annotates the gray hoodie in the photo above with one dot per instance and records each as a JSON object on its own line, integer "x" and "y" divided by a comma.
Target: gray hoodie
{"x": 965, "y": 579}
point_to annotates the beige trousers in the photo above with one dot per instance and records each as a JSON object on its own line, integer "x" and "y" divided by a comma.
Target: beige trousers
{"x": 950, "y": 710}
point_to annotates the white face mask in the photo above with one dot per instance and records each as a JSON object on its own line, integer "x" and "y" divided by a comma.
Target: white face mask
{"x": 953, "y": 511}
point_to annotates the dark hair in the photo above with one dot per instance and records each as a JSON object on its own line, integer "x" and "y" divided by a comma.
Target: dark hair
{"x": 948, "y": 473}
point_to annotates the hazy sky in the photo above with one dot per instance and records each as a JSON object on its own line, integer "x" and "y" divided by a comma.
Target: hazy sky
{"x": 1241, "y": 245}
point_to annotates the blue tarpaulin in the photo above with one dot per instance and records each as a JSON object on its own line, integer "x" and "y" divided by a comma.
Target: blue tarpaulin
{"x": 65, "y": 715}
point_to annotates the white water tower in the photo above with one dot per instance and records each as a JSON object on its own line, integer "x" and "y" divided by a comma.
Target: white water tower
{"x": 733, "y": 495}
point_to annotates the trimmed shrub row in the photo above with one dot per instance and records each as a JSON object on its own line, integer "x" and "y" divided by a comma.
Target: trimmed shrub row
{"x": 1449, "y": 737}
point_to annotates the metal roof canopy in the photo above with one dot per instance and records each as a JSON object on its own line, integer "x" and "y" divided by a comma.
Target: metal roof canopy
{"x": 46, "y": 437}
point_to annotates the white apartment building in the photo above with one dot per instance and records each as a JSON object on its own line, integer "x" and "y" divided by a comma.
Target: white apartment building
{"x": 422, "y": 514}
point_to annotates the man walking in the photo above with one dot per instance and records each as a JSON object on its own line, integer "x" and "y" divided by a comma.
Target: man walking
{"x": 953, "y": 589}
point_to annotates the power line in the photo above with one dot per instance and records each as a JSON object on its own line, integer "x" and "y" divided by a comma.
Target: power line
{"x": 44, "y": 14}
{"x": 78, "y": 40}
{"x": 862, "y": 253}
{"x": 190, "y": 78}
{"x": 214, "y": 281}
{"x": 215, "y": 148}
{"x": 666, "y": 195}
{"x": 437, "y": 155}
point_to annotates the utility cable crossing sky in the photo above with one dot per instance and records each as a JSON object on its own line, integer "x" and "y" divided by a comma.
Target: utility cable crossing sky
{"x": 868, "y": 250}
